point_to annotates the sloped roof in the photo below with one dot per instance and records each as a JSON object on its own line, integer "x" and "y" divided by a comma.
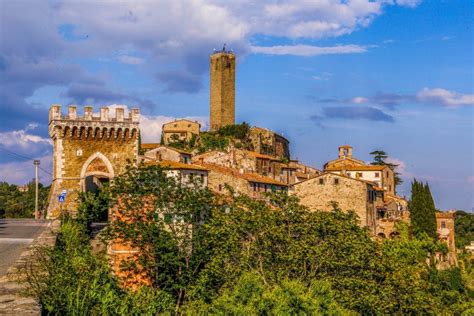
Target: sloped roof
{"x": 338, "y": 175}
{"x": 149, "y": 145}
{"x": 181, "y": 151}
{"x": 176, "y": 165}
{"x": 357, "y": 168}
{"x": 249, "y": 176}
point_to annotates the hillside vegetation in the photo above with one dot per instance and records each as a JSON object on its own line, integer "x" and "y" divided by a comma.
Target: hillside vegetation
{"x": 206, "y": 255}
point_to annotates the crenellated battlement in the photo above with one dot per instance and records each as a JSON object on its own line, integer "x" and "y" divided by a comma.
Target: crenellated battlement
{"x": 90, "y": 126}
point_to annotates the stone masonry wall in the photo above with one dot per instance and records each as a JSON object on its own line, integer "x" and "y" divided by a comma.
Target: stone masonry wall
{"x": 348, "y": 193}
{"x": 88, "y": 146}
{"x": 222, "y": 84}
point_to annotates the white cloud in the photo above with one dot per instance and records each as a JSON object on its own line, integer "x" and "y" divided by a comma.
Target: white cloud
{"x": 22, "y": 139}
{"x": 325, "y": 76}
{"x": 308, "y": 50}
{"x": 131, "y": 60}
{"x": 359, "y": 100}
{"x": 151, "y": 126}
{"x": 22, "y": 172}
{"x": 444, "y": 97}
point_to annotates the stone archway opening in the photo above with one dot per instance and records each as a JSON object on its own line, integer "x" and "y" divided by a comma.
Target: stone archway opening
{"x": 96, "y": 174}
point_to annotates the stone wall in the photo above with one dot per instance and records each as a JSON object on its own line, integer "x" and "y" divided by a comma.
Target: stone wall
{"x": 183, "y": 129}
{"x": 268, "y": 142}
{"x": 222, "y": 84}
{"x": 88, "y": 146}
{"x": 350, "y": 194}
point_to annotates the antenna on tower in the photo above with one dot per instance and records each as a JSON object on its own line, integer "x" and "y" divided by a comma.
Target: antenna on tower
{"x": 223, "y": 48}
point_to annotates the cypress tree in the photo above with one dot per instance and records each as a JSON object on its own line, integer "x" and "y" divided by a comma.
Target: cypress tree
{"x": 422, "y": 210}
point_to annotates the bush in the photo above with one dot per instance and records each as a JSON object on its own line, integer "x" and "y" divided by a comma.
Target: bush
{"x": 70, "y": 280}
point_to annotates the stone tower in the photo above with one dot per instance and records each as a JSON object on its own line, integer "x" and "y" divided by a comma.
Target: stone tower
{"x": 222, "y": 82}
{"x": 88, "y": 151}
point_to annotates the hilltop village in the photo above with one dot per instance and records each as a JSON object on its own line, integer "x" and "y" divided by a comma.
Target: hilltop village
{"x": 91, "y": 150}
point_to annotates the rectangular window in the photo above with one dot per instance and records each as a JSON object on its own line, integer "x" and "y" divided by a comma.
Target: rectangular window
{"x": 443, "y": 224}
{"x": 321, "y": 181}
{"x": 348, "y": 174}
{"x": 202, "y": 178}
{"x": 359, "y": 175}
{"x": 336, "y": 181}
{"x": 220, "y": 187}
{"x": 377, "y": 175}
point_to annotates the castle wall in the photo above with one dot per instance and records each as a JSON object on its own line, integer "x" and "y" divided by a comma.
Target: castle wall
{"x": 88, "y": 146}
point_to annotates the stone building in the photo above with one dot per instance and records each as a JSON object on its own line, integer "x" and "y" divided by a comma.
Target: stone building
{"x": 183, "y": 172}
{"x": 445, "y": 228}
{"x": 267, "y": 142}
{"x": 180, "y": 130}
{"x": 394, "y": 210}
{"x": 303, "y": 172}
{"x": 249, "y": 183}
{"x": 222, "y": 84}
{"x": 250, "y": 162}
{"x": 319, "y": 192}
{"x": 89, "y": 151}
{"x": 162, "y": 152}
{"x": 344, "y": 158}
{"x": 345, "y": 164}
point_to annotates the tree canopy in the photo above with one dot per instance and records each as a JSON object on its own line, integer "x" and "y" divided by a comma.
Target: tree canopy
{"x": 422, "y": 210}
{"x": 214, "y": 254}
{"x": 380, "y": 158}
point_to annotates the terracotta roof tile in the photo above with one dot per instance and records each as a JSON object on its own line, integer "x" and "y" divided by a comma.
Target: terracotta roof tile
{"x": 176, "y": 165}
{"x": 357, "y": 168}
{"x": 251, "y": 177}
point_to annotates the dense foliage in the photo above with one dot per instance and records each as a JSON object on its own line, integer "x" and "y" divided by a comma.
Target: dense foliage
{"x": 17, "y": 204}
{"x": 464, "y": 228}
{"x": 380, "y": 158}
{"x": 93, "y": 207}
{"x": 208, "y": 254}
{"x": 214, "y": 140}
{"x": 71, "y": 280}
{"x": 422, "y": 210}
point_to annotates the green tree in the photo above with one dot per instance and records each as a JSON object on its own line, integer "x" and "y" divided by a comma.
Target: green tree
{"x": 464, "y": 228}
{"x": 422, "y": 210}
{"x": 380, "y": 157}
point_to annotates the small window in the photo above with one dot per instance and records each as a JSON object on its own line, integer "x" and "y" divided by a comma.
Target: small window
{"x": 336, "y": 181}
{"x": 359, "y": 175}
{"x": 321, "y": 181}
{"x": 202, "y": 178}
{"x": 220, "y": 187}
{"x": 443, "y": 224}
{"x": 254, "y": 186}
{"x": 377, "y": 175}
{"x": 175, "y": 125}
{"x": 189, "y": 125}
{"x": 348, "y": 174}
{"x": 387, "y": 174}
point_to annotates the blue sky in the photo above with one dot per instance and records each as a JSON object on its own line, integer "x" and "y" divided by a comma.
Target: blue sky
{"x": 391, "y": 75}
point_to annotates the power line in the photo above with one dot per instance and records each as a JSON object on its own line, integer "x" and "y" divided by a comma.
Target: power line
{"x": 2, "y": 147}
{"x": 14, "y": 153}
{"x": 45, "y": 171}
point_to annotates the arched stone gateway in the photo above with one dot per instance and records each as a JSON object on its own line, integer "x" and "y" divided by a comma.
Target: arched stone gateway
{"x": 88, "y": 151}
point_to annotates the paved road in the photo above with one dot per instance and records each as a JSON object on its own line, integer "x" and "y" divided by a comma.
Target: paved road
{"x": 15, "y": 236}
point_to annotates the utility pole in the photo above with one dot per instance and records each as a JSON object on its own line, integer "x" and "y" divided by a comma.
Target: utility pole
{"x": 36, "y": 163}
